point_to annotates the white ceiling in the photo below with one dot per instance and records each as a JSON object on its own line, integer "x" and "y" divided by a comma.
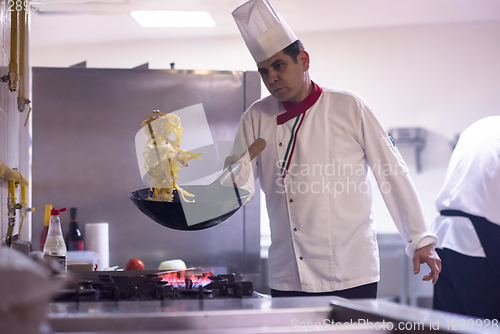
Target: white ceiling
{"x": 109, "y": 21}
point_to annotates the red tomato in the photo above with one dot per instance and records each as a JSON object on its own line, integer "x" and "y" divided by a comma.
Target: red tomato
{"x": 134, "y": 264}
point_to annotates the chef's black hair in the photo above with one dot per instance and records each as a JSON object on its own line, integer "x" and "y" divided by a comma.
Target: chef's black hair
{"x": 294, "y": 49}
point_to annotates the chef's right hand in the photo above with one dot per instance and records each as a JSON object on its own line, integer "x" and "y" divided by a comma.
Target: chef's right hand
{"x": 244, "y": 174}
{"x": 230, "y": 160}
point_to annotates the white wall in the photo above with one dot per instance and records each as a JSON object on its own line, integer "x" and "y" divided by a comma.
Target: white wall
{"x": 441, "y": 78}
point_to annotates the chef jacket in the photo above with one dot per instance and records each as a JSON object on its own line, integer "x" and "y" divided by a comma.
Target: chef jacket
{"x": 472, "y": 185}
{"x": 315, "y": 175}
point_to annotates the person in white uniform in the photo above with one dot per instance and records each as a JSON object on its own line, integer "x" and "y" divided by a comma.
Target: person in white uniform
{"x": 314, "y": 172}
{"x": 468, "y": 227}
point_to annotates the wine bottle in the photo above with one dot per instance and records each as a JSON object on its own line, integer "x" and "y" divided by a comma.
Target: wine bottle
{"x": 74, "y": 237}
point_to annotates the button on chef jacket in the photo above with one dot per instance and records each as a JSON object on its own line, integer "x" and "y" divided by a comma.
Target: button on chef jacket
{"x": 314, "y": 173}
{"x": 472, "y": 185}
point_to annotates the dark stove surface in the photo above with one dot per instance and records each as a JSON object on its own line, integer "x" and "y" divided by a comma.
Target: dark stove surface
{"x": 153, "y": 285}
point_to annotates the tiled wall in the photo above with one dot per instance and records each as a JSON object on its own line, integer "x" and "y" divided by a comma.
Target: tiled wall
{"x": 12, "y": 152}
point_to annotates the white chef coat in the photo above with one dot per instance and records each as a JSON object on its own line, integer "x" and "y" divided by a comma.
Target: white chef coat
{"x": 472, "y": 185}
{"x": 322, "y": 228}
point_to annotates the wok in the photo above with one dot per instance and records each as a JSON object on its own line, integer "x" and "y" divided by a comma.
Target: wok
{"x": 171, "y": 214}
{"x": 214, "y": 203}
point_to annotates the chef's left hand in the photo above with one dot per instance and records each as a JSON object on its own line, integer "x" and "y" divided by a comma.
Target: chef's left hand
{"x": 428, "y": 255}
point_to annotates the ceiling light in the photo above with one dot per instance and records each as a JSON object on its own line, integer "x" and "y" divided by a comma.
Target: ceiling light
{"x": 173, "y": 19}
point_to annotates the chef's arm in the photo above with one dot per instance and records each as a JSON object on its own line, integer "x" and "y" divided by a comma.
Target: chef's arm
{"x": 400, "y": 195}
{"x": 403, "y": 204}
{"x": 246, "y": 174}
{"x": 396, "y": 186}
{"x": 422, "y": 240}
{"x": 406, "y": 211}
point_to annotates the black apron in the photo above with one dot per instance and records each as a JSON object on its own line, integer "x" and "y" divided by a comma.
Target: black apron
{"x": 489, "y": 236}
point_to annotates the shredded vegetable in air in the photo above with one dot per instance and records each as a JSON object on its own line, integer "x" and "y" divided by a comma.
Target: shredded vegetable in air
{"x": 163, "y": 158}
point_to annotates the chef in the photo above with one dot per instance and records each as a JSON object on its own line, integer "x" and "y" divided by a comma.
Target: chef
{"x": 314, "y": 172}
{"x": 468, "y": 227}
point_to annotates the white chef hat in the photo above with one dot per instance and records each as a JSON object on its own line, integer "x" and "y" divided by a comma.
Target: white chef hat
{"x": 263, "y": 29}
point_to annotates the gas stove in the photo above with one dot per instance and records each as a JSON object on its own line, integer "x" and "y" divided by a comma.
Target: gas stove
{"x": 153, "y": 285}
{"x": 195, "y": 302}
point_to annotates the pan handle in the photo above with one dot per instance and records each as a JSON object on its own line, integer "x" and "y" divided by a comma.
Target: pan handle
{"x": 253, "y": 150}
{"x": 257, "y": 146}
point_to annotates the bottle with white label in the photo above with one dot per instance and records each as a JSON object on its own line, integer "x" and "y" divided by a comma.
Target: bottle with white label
{"x": 55, "y": 248}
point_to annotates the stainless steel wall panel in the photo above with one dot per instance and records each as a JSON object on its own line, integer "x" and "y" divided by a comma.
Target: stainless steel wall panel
{"x": 252, "y": 209}
{"x": 84, "y": 123}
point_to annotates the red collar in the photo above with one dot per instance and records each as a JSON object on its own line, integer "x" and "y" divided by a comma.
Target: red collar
{"x": 293, "y": 110}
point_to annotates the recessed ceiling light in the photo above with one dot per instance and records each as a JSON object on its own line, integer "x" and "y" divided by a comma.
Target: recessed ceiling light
{"x": 173, "y": 19}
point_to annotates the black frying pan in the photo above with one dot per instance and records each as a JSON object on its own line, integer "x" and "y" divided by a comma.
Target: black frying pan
{"x": 171, "y": 214}
{"x": 215, "y": 201}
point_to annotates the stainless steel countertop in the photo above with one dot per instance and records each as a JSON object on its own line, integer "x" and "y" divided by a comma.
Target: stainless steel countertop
{"x": 254, "y": 315}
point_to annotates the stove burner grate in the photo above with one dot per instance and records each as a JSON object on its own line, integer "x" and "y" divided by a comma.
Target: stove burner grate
{"x": 152, "y": 287}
